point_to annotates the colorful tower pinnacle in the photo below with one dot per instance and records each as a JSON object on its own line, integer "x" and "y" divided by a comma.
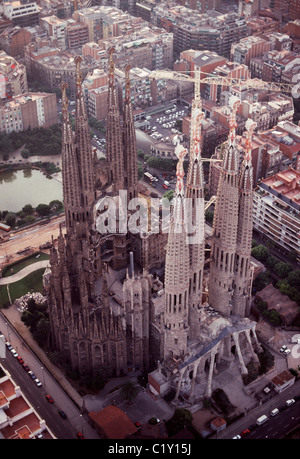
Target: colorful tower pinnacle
{"x": 84, "y": 148}
{"x": 129, "y": 142}
{"x": 221, "y": 282}
{"x": 70, "y": 175}
{"x": 177, "y": 272}
{"x": 196, "y": 218}
{"x": 114, "y": 144}
{"x": 242, "y": 293}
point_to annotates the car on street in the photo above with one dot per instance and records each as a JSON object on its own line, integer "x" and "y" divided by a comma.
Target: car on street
{"x": 14, "y": 353}
{"x": 290, "y": 402}
{"x": 287, "y": 352}
{"x": 26, "y": 367}
{"x": 20, "y": 360}
{"x": 49, "y": 398}
{"x": 283, "y": 348}
{"x": 37, "y": 382}
{"x": 244, "y": 432}
{"x": 62, "y": 414}
{"x": 9, "y": 346}
{"x": 236, "y": 437}
{"x": 31, "y": 374}
{"x": 137, "y": 424}
{"x": 80, "y": 436}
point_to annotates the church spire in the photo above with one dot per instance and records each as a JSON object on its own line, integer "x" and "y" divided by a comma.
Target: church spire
{"x": 177, "y": 272}
{"x": 242, "y": 293}
{"x": 70, "y": 174}
{"x": 195, "y": 208}
{"x": 114, "y": 145}
{"x": 129, "y": 142}
{"x": 84, "y": 147}
{"x": 221, "y": 281}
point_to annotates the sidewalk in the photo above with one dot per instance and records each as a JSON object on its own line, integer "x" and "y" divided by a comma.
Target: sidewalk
{"x": 13, "y": 316}
{"x": 24, "y": 272}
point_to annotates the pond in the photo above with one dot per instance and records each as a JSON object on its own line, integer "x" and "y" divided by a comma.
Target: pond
{"x": 27, "y": 186}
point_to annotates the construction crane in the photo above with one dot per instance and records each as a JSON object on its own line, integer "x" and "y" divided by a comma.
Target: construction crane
{"x": 210, "y": 202}
{"x": 83, "y": 4}
{"x": 218, "y": 80}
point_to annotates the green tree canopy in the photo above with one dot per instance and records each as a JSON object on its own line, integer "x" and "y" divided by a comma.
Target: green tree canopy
{"x": 43, "y": 210}
{"x": 260, "y": 252}
{"x": 10, "y": 219}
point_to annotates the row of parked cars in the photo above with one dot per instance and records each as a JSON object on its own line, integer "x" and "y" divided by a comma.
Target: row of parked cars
{"x": 262, "y": 419}
{"x": 37, "y": 382}
{"x": 24, "y": 365}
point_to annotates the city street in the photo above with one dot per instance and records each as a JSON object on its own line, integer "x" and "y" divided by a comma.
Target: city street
{"x": 61, "y": 428}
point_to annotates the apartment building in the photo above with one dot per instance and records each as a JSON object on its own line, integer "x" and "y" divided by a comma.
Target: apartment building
{"x": 61, "y": 9}
{"x": 248, "y": 48}
{"x": 276, "y": 209}
{"x": 14, "y": 39}
{"x": 229, "y": 71}
{"x": 13, "y": 79}
{"x": 56, "y": 30}
{"x": 77, "y": 34}
{"x": 151, "y": 48}
{"x": 274, "y": 65}
{"x": 52, "y": 66}
{"x": 287, "y": 10}
{"x": 106, "y": 22}
{"x": 212, "y": 31}
{"x": 287, "y": 136}
{"x": 32, "y": 110}
{"x": 95, "y": 87}
{"x": 18, "y": 419}
{"x": 21, "y": 13}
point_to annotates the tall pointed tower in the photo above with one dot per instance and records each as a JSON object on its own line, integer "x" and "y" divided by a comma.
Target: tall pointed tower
{"x": 221, "y": 282}
{"x": 177, "y": 272}
{"x": 70, "y": 173}
{"x": 114, "y": 144}
{"x": 84, "y": 149}
{"x": 129, "y": 142}
{"x": 242, "y": 293}
{"x": 195, "y": 207}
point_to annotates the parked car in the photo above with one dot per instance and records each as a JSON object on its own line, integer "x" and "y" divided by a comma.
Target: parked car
{"x": 287, "y": 352}
{"x": 62, "y": 414}
{"x": 245, "y": 432}
{"x": 290, "y": 402}
{"x": 283, "y": 348}
{"x": 14, "y": 353}
{"x": 49, "y": 399}
{"x": 37, "y": 382}
{"x": 31, "y": 374}
{"x": 80, "y": 436}
{"x": 9, "y": 346}
{"x": 26, "y": 367}
{"x": 236, "y": 437}
{"x": 20, "y": 360}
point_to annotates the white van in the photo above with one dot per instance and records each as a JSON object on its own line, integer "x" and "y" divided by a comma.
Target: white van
{"x": 261, "y": 420}
{"x": 274, "y": 412}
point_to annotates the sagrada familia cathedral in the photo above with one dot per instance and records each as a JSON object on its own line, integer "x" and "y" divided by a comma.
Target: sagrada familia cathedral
{"x": 109, "y": 310}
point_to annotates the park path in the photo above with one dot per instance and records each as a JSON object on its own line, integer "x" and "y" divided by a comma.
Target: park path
{"x": 24, "y": 272}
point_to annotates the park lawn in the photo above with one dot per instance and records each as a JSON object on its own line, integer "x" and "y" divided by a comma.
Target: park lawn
{"x": 31, "y": 283}
{"x": 14, "y": 268}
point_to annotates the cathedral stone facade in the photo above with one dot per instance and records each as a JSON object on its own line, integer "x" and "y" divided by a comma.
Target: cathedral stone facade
{"x": 108, "y": 309}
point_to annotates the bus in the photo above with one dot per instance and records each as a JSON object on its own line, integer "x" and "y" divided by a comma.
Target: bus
{"x": 148, "y": 177}
{"x": 5, "y": 227}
